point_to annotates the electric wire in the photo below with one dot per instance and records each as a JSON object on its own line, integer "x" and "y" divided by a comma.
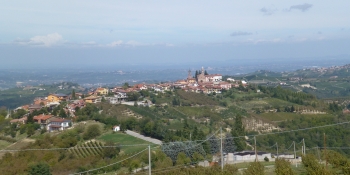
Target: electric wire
{"x": 111, "y": 163}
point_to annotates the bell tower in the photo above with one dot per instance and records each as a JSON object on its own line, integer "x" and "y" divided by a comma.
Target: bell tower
{"x": 189, "y": 74}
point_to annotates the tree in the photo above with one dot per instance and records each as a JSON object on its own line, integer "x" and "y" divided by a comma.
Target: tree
{"x": 196, "y": 157}
{"x": 283, "y": 167}
{"x": 40, "y": 168}
{"x": 238, "y": 132}
{"x": 229, "y": 146}
{"x": 292, "y": 109}
{"x": 73, "y": 94}
{"x": 126, "y": 85}
{"x": 338, "y": 161}
{"x": 63, "y": 113}
{"x": 92, "y": 131}
{"x": 254, "y": 168}
{"x": 30, "y": 130}
{"x": 111, "y": 150}
{"x": 205, "y": 72}
{"x": 103, "y": 99}
{"x": 182, "y": 159}
{"x": 133, "y": 96}
{"x": 161, "y": 160}
{"x": 312, "y": 166}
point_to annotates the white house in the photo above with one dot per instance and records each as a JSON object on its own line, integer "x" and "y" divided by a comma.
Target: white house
{"x": 247, "y": 156}
{"x": 116, "y": 128}
{"x": 213, "y": 78}
{"x": 57, "y": 124}
{"x": 230, "y": 79}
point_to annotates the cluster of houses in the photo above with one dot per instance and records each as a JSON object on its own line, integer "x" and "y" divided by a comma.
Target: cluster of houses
{"x": 202, "y": 83}
{"x": 48, "y": 122}
{"x": 249, "y": 156}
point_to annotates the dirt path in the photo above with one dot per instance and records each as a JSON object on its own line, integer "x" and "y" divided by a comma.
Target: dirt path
{"x": 148, "y": 139}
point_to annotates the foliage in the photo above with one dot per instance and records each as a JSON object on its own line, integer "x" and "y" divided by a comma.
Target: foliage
{"x": 283, "y": 167}
{"x": 182, "y": 159}
{"x": 254, "y": 168}
{"x": 133, "y": 96}
{"x": 110, "y": 150}
{"x": 300, "y": 98}
{"x": 92, "y": 131}
{"x": 39, "y": 168}
{"x": 338, "y": 161}
{"x": 228, "y": 144}
{"x": 313, "y": 167}
{"x": 192, "y": 98}
{"x": 238, "y": 132}
{"x": 19, "y": 113}
{"x": 8, "y": 139}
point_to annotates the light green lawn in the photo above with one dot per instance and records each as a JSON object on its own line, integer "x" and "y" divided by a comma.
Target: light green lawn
{"x": 125, "y": 139}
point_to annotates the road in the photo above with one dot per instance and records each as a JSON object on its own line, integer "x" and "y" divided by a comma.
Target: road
{"x": 148, "y": 139}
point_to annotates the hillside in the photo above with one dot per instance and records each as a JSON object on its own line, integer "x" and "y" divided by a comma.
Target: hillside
{"x": 327, "y": 82}
{"x": 188, "y": 124}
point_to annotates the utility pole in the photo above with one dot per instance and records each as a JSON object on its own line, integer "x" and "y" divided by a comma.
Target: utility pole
{"x": 304, "y": 146}
{"x": 295, "y": 155}
{"x": 302, "y": 150}
{"x": 149, "y": 160}
{"x": 277, "y": 148}
{"x": 256, "y": 154}
{"x": 222, "y": 157}
{"x": 325, "y": 149}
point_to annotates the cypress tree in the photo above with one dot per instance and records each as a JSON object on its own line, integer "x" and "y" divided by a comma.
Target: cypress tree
{"x": 238, "y": 130}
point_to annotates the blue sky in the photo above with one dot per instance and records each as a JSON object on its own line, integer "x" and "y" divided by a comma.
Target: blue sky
{"x": 128, "y": 32}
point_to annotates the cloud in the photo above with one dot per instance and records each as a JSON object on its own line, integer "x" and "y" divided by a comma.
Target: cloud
{"x": 240, "y": 33}
{"x": 134, "y": 43}
{"x": 115, "y": 43}
{"x": 48, "y": 40}
{"x": 302, "y": 7}
{"x": 128, "y": 43}
{"x": 268, "y": 11}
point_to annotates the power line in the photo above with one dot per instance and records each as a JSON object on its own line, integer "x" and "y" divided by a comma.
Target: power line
{"x": 112, "y": 163}
{"x": 202, "y": 141}
{"x": 173, "y": 167}
{"x": 75, "y": 147}
{"x": 191, "y": 146}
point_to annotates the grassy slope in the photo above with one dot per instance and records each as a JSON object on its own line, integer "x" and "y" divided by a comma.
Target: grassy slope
{"x": 124, "y": 139}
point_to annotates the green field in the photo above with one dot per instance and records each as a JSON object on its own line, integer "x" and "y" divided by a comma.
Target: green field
{"x": 4, "y": 144}
{"x": 125, "y": 139}
{"x": 280, "y": 116}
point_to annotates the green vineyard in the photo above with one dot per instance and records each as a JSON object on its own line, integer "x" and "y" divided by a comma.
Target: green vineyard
{"x": 87, "y": 149}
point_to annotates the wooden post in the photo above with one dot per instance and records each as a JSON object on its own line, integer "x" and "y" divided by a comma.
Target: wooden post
{"x": 277, "y": 148}
{"x": 256, "y": 154}
{"x": 325, "y": 149}
{"x": 149, "y": 160}
{"x": 222, "y": 157}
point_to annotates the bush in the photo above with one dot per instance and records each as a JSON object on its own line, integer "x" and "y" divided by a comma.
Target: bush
{"x": 92, "y": 131}
{"x": 266, "y": 159}
{"x": 40, "y": 168}
{"x": 254, "y": 168}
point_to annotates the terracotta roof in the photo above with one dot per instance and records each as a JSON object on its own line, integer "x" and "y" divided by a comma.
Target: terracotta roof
{"x": 91, "y": 98}
{"x": 42, "y": 117}
{"x": 54, "y": 119}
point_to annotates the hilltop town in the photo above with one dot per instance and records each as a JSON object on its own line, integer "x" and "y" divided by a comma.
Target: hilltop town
{"x": 170, "y": 116}
{"x": 199, "y": 83}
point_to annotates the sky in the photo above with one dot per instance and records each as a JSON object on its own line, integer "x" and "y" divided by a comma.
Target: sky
{"x": 156, "y": 32}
